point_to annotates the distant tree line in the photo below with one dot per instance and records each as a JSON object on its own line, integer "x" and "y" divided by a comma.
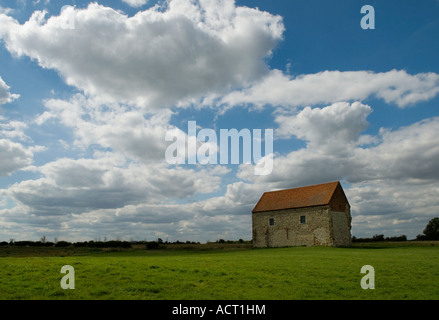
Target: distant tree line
{"x": 155, "y": 244}
{"x": 431, "y": 232}
{"x": 379, "y": 237}
{"x": 232, "y": 241}
{"x": 61, "y": 244}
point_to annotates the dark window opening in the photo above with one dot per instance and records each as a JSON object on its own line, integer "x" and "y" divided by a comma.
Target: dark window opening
{"x": 271, "y": 221}
{"x": 302, "y": 219}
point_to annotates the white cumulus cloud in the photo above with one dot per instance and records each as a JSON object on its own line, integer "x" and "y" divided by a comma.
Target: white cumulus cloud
{"x": 336, "y": 125}
{"x": 14, "y": 156}
{"x": 155, "y": 58}
{"x": 334, "y": 149}
{"x": 5, "y": 95}
{"x": 279, "y": 89}
{"x": 135, "y": 3}
{"x": 124, "y": 129}
{"x": 106, "y": 181}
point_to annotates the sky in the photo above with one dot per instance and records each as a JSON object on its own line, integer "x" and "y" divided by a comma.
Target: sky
{"x": 89, "y": 90}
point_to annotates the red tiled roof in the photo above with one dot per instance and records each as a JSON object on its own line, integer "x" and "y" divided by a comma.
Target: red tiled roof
{"x": 315, "y": 195}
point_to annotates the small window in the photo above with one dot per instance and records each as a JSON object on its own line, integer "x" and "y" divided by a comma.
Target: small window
{"x": 302, "y": 219}
{"x": 271, "y": 221}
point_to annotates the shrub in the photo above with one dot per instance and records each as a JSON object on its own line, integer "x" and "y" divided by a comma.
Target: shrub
{"x": 62, "y": 244}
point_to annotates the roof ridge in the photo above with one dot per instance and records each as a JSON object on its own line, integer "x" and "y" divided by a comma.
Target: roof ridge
{"x": 308, "y": 186}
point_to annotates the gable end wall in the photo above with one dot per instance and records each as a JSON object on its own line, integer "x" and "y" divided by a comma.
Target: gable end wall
{"x": 341, "y": 227}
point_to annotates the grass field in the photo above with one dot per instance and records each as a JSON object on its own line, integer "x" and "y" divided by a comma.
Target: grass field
{"x": 402, "y": 271}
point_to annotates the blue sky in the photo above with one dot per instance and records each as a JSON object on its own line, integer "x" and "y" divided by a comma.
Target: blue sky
{"x": 88, "y": 93}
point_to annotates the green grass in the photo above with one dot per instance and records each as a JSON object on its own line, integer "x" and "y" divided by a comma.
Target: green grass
{"x": 401, "y": 272}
